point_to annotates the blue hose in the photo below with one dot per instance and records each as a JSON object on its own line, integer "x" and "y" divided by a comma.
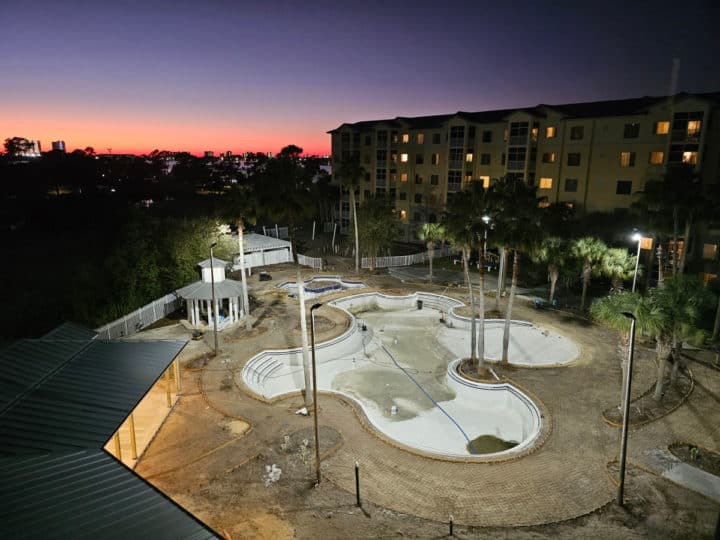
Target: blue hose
{"x": 472, "y": 447}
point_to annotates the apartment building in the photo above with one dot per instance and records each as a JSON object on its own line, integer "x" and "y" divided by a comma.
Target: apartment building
{"x": 592, "y": 156}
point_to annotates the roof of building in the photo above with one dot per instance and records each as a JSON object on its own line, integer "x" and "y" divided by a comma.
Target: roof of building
{"x": 217, "y": 263}
{"x": 619, "y": 107}
{"x": 60, "y": 402}
{"x": 200, "y": 290}
{"x": 259, "y": 242}
{"x": 70, "y": 330}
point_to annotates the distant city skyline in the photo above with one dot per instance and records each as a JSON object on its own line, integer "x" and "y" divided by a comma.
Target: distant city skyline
{"x": 222, "y": 76}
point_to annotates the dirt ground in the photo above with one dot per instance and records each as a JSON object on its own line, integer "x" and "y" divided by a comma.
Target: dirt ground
{"x": 214, "y": 463}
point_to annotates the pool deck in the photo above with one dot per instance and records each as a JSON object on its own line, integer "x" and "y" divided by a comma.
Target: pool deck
{"x": 565, "y": 478}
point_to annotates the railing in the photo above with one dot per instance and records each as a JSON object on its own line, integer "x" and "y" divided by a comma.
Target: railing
{"x": 140, "y": 318}
{"x": 405, "y": 260}
{"x": 277, "y": 232}
{"x": 312, "y": 262}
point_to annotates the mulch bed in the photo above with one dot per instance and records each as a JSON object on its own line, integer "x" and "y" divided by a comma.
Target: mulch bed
{"x": 645, "y": 409}
{"x": 704, "y": 459}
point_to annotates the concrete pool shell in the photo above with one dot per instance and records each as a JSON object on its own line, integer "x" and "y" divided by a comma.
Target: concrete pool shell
{"x": 394, "y": 354}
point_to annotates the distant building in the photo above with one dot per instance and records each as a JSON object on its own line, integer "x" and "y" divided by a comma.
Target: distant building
{"x": 209, "y": 153}
{"x": 58, "y": 145}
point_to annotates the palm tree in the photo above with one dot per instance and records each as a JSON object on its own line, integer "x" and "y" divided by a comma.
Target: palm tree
{"x": 462, "y": 237}
{"x": 351, "y": 172}
{"x": 519, "y": 228}
{"x": 430, "y": 233}
{"x": 619, "y": 266}
{"x": 380, "y": 226}
{"x": 591, "y": 251}
{"x": 553, "y": 252}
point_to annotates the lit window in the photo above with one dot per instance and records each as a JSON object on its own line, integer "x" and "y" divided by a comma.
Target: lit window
{"x": 710, "y": 251}
{"x": 627, "y": 159}
{"x": 403, "y": 214}
{"x": 534, "y": 134}
{"x": 468, "y": 157}
{"x": 693, "y": 128}
{"x": 662, "y": 128}
{"x": 420, "y": 138}
{"x": 691, "y": 158}
{"x": 550, "y": 132}
{"x": 543, "y": 204}
{"x": 468, "y": 177}
{"x": 403, "y": 158}
{"x": 548, "y": 157}
{"x": 403, "y": 177}
{"x": 485, "y": 181}
{"x": 435, "y": 159}
{"x": 405, "y": 137}
{"x": 657, "y": 158}
{"x": 546, "y": 183}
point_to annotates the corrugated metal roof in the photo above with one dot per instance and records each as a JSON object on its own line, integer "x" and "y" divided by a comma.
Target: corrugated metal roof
{"x": 69, "y": 330}
{"x": 260, "y": 242}
{"x": 81, "y": 403}
{"x": 86, "y": 494}
{"x": 60, "y": 401}
{"x": 217, "y": 263}
{"x": 227, "y": 288}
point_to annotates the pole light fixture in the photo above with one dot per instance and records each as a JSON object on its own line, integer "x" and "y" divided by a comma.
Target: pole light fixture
{"x": 626, "y": 409}
{"x": 637, "y": 237}
{"x": 212, "y": 291}
{"x": 314, "y": 381}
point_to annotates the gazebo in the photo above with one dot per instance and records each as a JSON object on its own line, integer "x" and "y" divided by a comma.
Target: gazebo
{"x": 228, "y": 307}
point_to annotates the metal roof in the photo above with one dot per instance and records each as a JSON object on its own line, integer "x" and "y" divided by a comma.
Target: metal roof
{"x": 217, "y": 263}
{"x": 260, "y": 242}
{"x": 69, "y": 330}
{"x": 227, "y": 288}
{"x": 86, "y": 494}
{"x": 60, "y": 402}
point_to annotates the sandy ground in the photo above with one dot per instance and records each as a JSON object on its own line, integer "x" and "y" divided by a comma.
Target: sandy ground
{"x": 212, "y": 460}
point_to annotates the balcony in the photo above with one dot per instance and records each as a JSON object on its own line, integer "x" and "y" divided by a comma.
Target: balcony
{"x": 516, "y": 165}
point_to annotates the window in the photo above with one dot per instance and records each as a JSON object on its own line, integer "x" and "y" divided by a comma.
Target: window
{"x": 487, "y": 136}
{"x": 691, "y": 158}
{"x": 571, "y": 184}
{"x": 403, "y": 177}
{"x": 631, "y": 131}
{"x": 403, "y": 196}
{"x": 710, "y": 252}
{"x": 505, "y": 134}
{"x": 382, "y": 138}
{"x": 548, "y": 157}
{"x": 403, "y": 213}
{"x": 380, "y": 177}
{"x": 406, "y": 137}
{"x": 468, "y": 157}
{"x": 544, "y": 203}
{"x": 368, "y": 140}
{"x": 393, "y": 175}
{"x": 403, "y": 158}
{"x": 468, "y": 177}
{"x": 573, "y": 159}
{"x": 435, "y": 159}
{"x": 545, "y": 183}
{"x": 627, "y": 159}
{"x": 381, "y": 155}
{"x": 436, "y": 138}
{"x": 418, "y": 198}
{"x": 484, "y": 159}
{"x": 550, "y": 132}
{"x": 624, "y": 187}
{"x": 454, "y": 180}
{"x": 434, "y": 179}
{"x": 457, "y": 135}
{"x": 534, "y": 134}
{"x": 455, "y": 157}
{"x": 693, "y": 128}
{"x": 419, "y": 159}
{"x": 393, "y": 156}
{"x": 657, "y": 158}
{"x": 577, "y": 133}
{"x": 502, "y": 159}
{"x": 421, "y": 138}
{"x": 661, "y": 128}
{"x": 393, "y": 193}
{"x": 516, "y": 157}
{"x": 418, "y": 179}
{"x": 394, "y": 137}
{"x": 485, "y": 181}
{"x": 471, "y": 133}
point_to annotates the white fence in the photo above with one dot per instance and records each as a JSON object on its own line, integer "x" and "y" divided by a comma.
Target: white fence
{"x": 405, "y": 260}
{"x": 140, "y": 318}
{"x": 312, "y": 262}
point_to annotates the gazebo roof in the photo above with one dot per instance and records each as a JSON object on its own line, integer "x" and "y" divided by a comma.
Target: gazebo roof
{"x": 217, "y": 263}
{"x": 228, "y": 288}
{"x": 260, "y": 242}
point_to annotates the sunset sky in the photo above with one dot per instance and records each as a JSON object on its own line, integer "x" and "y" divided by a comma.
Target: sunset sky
{"x": 256, "y": 76}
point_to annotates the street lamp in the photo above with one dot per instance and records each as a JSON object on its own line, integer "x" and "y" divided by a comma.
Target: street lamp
{"x": 486, "y": 220}
{"x": 626, "y": 409}
{"x": 637, "y": 237}
{"x": 212, "y": 291}
{"x": 314, "y": 380}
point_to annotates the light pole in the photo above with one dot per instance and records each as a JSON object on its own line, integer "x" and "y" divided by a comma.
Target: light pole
{"x": 486, "y": 220}
{"x": 212, "y": 291}
{"x": 314, "y": 380}
{"x": 637, "y": 237}
{"x": 626, "y": 409}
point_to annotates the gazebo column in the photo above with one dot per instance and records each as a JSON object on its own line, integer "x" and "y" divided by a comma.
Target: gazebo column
{"x": 189, "y": 311}
{"x": 216, "y": 312}
{"x": 196, "y": 303}
{"x": 209, "y": 312}
{"x": 235, "y": 309}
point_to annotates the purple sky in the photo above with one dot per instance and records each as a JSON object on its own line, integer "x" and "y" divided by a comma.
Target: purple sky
{"x": 235, "y": 75}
